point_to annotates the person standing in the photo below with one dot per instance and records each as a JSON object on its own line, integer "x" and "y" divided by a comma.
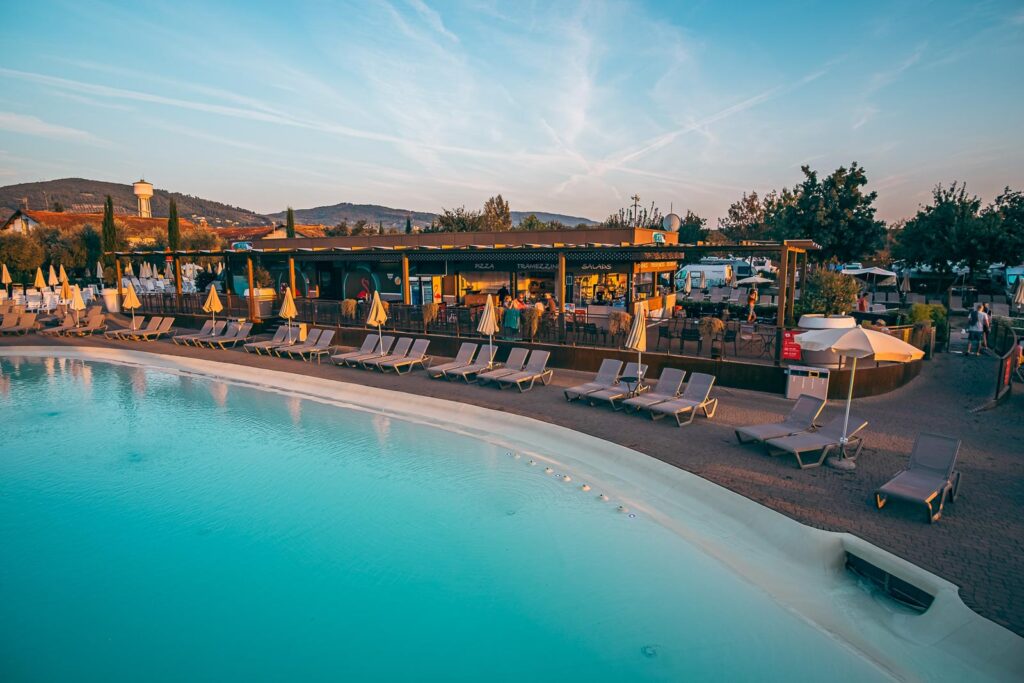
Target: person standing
{"x": 975, "y": 329}
{"x": 752, "y": 297}
{"x": 987, "y": 323}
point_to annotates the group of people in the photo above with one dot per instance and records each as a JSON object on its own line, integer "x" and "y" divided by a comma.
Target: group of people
{"x": 519, "y": 303}
{"x": 979, "y": 322}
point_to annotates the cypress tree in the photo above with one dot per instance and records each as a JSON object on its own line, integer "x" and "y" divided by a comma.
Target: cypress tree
{"x": 289, "y": 228}
{"x": 380, "y": 227}
{"x": 173, "y": 230}
{"x": 109, "y": 233}
{"x": 408, "y": 225}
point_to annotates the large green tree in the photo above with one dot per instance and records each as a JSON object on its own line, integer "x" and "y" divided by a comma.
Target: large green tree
{"x": 108, "y": 230}
{"x": 173, "y": 229}
{"x": 1008, "y": 210}
{"x": 745, "y": 219}
{"x": 408, "y": 225}
{"x": 289, "y": 226}
{"x": 949, "y": 232}
{"x": 497, "y": 215}
{"x": 460, "y": 220}
{"x": 692, "y": 229}
{"x": 835, "y": 212}
{"x": 21, "y": 253}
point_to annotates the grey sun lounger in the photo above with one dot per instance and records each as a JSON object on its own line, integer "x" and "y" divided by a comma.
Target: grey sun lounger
{"x": 468, "y": 373}
{"x": 150, "y": 335}
{"x": 369, "y": 345}
{"x": 311, "y": 339}
{"x": 416, "y": 356}
{"x": 206, "y": 329}
{"x": 242, "y": 333}
{"x": 669, "y": 386}
{"x": 536, "y": 369}
{"x": 97, "y": 323}
{"x": 66, "y": 325}
{"x": 515, "y": 362}
{"x": 620, "y": 390}
{"x": 227, "y": 332}
{"x": 309, "y": 351}
{"x": 26, "y": 323}
{"x": 463, "y": 358}
{"x": 280, "y": 338}
{"x": 134, "y": 326}
{"x": 801, "y": 418}
{"x": 382, "y": 349}
{"x": 823, "y": 441}
{"x": 607, "y": 376}
{"x": 931, "y": 474}
{"x": 696, "y": 396}
{"x": 400, "y": 351}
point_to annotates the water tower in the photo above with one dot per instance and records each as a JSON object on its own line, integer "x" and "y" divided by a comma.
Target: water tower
{"x": 144, "y": 191}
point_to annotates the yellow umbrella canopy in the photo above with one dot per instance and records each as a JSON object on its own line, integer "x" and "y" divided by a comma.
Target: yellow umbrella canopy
{"x": 65, "y": 291}
{"x": 377, "y": 317}
{"x": 77, "y": 302}
{"x": 40, "y": 282}
{"x": 5, "y": 275}
{"x": 288, "y": 310}
{"x": 131, "y": 301}
{"x": 52, "y": 280}
{"x": 637, "y": 340}
{"x": 212, "y": 304}
{"x": 489, "y": 325}
{"x": 62, "y": 275}
{"x": 856, "y": 343}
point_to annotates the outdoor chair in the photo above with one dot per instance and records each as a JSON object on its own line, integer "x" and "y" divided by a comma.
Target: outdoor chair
{"x": 368, "y": 346}
{"x": 668, "y": 330}
{"x": 133, "y": 325}
{"x": 622, "y": 390}
{"x": 310, "y": 348}
{"x": 607, "y": 376}
{"x": 695, "y": 397}
{"x": 801, "y": 418}
{"x": 311, "y": 338}
{"x": 669, "y": 386}
{"x": 26, "y": 323}
{"x": 416, "y": 356}
{"x": 150, "y": 335}
{"x": 468, "y": 373}
{"x": 96, "y": 323}
{"x": 536, "y": 369}
{"x": 400, "y": 351}
{"x": 515, "y": 362}
{"x": 691, "y": 333}
{"x": 229, "y": 332}
{"x": 379, "y": 350}
{"x": 930, "y": 478}
{"x": 10, "y": 320}
{"x": 463, "y": 358}
{"x": 209, "y": 327}
{"x": 280, "y": 338}
{"x": 823, "y": 441}
{"x": 67, "y": 324}
{"x": 242, "y": 334}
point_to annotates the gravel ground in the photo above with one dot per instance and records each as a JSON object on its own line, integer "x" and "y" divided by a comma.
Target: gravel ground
{"x": 977, "y": 545}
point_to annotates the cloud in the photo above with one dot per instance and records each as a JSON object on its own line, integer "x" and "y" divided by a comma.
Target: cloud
{"x": 864, "y": 115}
{"x": 30, "y": 125}
{"x": 433, "y": 19}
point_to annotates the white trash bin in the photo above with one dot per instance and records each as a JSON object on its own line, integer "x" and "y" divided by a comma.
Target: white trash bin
{"x": 804, "y": 379}
{"x": 110, "y": 300}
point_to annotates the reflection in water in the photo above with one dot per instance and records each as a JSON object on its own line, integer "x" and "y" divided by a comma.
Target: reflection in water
{"x": 219, "y": 392}
{"x": 294, "y": 404}
{"x": 139, "y": 381}
{"x": 382, "y": 425}
{"x": 50, "y": 364}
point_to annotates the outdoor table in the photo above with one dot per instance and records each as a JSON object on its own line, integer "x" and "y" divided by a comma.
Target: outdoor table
{"x": 767, "y": 341}
{"x": 634, "y": 385}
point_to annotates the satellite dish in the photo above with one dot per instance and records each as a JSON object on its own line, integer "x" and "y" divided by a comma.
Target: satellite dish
{"x": 671, "y": 222}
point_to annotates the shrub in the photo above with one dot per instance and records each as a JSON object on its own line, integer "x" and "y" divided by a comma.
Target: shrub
{"x": 829, "y": 292}
{"x": 933, "y": 314}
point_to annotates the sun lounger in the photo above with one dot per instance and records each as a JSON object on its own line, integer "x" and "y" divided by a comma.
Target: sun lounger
{"x": 607, "y": 376}
{"x": 133, "y": 326}
{"x": 149, "y": 335}
{"x": 515, "y": 362}
{"x": 381, "y": 349}
{"x": 536, "y": 369}
{"x": 800, "y": 419}
{"x": 669, "y": 386}
{"x": 280, "y": 339}
{"x": 400, "y": 351}
{"x": 242, "y": 334}
{"x": 10, "y": 320}
{"x": 463, "y": 358}
{"x": 930, "y": 475}
{"x": 823, "y": 441}
{"x": 26, "y": 323}
{"x": 308, "y": 351}
{"x": 416, "y": 356}
{"x": 695, "y": 397}
{"x": 228, "y": 332}
{"x": 97, "y": 323}
{"x": 369, "y": 345}
{"x": 621, "y": 390}
{"x": 206, "y": 330}
{"x": 311, "y": 339}
{"x": 468, "y": 373}
{"x": 67, "y": 324}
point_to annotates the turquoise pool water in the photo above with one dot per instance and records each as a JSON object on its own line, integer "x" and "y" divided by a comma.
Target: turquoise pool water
{"x": 163, "y": 527}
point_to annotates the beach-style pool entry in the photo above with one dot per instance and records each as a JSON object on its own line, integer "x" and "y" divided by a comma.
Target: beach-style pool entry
{"x": 169, "y": 526}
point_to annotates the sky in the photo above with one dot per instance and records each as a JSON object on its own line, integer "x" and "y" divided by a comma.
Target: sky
{"x": 560, "y": 106}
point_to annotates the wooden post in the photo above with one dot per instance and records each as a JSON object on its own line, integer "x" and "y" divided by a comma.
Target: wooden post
{"x": 253, "y": 309}
{"x": 791, "y": 295}
{"x": 117, "y": 281}
{"x": 177, "y": 281}
{"x": 560, "y": 284}
{"x": 406, "y": 286}
{"x": 781, "y": 317}
{"x": 291, "y": 275}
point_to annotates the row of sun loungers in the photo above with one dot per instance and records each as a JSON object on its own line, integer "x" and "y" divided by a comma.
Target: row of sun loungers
{"x": 473, "y": 364}
{"x": 387, "y": 354}
{"x": 17, "y": 323}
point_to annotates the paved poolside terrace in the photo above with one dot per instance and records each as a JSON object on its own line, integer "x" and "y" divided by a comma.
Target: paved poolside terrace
{"x": 978, "y": 544}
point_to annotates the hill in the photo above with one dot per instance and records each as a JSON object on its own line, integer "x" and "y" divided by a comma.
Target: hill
{"x": 80, "y": 195}
{"x": 395, "y": 218}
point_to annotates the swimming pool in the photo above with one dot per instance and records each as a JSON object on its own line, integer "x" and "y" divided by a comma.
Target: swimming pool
{"x": 159, "y": 524}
